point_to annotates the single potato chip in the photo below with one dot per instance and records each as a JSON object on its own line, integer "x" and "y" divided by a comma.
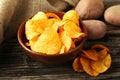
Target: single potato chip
{"x": 58, "y": 26}
{"x": 62, "y": 49}
{"x": 107, "y": 61}
{"x": 32, "y": 41}
{"x": 30, "y": 29}
{"x": 86, "y": 64}
{"x": 51, "y": 21}
{"x": 41, "y": 25}
{"x": 91, "y": 54}
{"x": 100, "y": 46}
{"x": 72, "y": 29}
{"x": 77, "y": 65}
{"x": 102, "y": 54}
{"x": 48, "y": 43}
{"x": 75, "y": 40}
{"x": 72, "y": 15}
{"x": 40, "y": 15}
{"x": 102, "y": 65}
{"x": 52, "y": 15}
{"x": 66, "y": 40}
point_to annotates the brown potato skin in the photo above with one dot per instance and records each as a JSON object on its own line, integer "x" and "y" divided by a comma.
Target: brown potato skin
{"x": 96, "y": 29}
{"x": 112, "y": 15}
{"x": 90, "y": 9}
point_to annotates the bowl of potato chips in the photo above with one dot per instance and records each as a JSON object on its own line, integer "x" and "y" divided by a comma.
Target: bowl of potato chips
{"x": 52, "y": 37}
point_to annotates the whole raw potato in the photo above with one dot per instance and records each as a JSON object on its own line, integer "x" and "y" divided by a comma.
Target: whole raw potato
{"x": 96, "y": 29}
{"x": 112, "y": 15}
{"x": 90, "y": 9}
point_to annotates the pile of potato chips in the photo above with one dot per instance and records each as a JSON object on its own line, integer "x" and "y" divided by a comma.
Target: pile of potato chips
{"x": 49, "y": 34}
{"x": 94, "y": 61}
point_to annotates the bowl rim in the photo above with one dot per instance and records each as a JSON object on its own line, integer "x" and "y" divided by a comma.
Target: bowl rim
{"x": 51, "y": 55}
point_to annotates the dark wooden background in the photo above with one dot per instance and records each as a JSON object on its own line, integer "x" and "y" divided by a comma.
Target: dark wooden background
{"x": 16, "y": 65}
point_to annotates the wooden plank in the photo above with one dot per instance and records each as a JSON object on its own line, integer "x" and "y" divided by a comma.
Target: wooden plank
{"x": 16, "y": 65}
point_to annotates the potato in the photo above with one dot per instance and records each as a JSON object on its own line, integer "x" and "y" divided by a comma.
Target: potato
{"x": 90, "y": 9}
{"x": 96, "y": 29}
{"x": 112, "y": 15}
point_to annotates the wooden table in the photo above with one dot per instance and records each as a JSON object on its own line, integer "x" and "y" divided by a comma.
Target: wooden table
{"x": 16, "y": 65}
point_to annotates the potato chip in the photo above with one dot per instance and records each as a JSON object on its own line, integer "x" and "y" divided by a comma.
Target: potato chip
{"x": 86, "y": 64}
{"x": 49, "y": 42}
{"x": 79, "y": 38}
{"x": 36, "y": 27}
{"x": 100, "y": 46}
{"x": 95, "y": 60}
{"x": 77, "y": 65}
{"x": 48, "y": 33}
{"x": 39, "y": 15}
{"x": 91, "y": 54}
{"x": 102, "y": 54}
{"x": 72, "y": 15}
{"x": 51, "y": 21}
{"x": 52, "y": 15}
{"x": 32, "y": 41}
{"x": 72, "y": 29}
{"x": 66, "y": 40}
{"x": 30, "y": 29}
{"x": 41, "y": 25}
{"x": 107, "y": 61}
{"x": 62, "y": 50}
{"x": 102, "y": 65}
{"x": 58, "y": 25}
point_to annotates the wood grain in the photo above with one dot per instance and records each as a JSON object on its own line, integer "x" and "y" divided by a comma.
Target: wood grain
{"x": 16, "y": 65}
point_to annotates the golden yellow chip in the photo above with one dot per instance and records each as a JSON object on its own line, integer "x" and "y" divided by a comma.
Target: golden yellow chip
{"x": 39, "y": 15}
{"x": 86, "y": 64}
{"x": 30, "y": 29}
{"x": 77, "y": 65}
{"x": 79, "y": 38}
{"x": 107, "y": 61}
{"x": 36, "y": 27}
{"x": 58, "y": 25}
{"x": 62, "y": 50}
{"x": 52, "y": 15}
{"x": 41, "y": 25}
{"x": 32, "y": 41}
{"x": 66, "y": 40}
{"x": 51, "y": 21}
{"x": 102, "y": 65}
{"x": 100, "y": 46}
{"x": 72, "y": 15}
{"x": 48, "y": 43}
{"x": 72, "y": 29}
{"x": 91, "y": 54}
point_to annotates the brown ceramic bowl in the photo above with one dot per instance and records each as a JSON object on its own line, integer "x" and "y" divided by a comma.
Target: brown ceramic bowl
{"x": 50, "y": 59}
